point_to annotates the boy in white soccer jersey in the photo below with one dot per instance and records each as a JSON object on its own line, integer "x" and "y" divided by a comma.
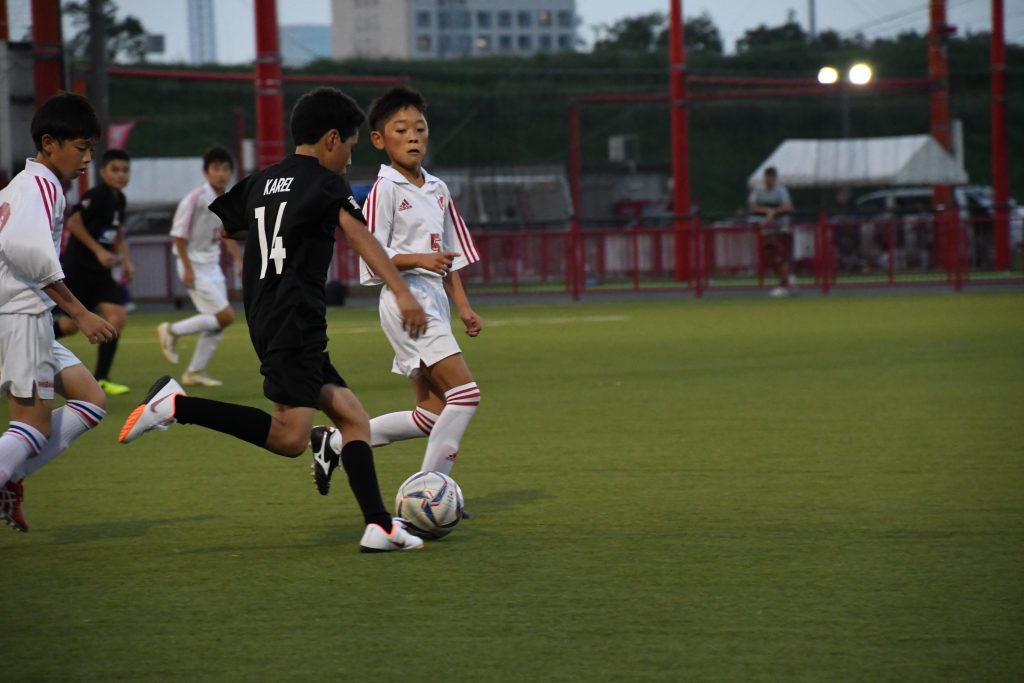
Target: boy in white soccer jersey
{"x": 197, "y": 242}
{"x": 412, "y": 215}
{"x": 33, "y": 366}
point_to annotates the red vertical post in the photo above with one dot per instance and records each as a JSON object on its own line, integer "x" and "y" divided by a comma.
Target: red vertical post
{"x": 515, "y": 262}
{"x": 574, "y": 246}
{"x": 680, "y": 141}
{"x": 239, "y": 116}
{"x": 5, "y": 29}
{"x": 1000, "y": 169}
{"x": 636, "y": 258}
{"x": 78, "y": 86}
{"x": 698, "y": 265}
{"x": 269, "y": 93}
{"x": 46, "y": 48}
{"x": 938, "y": 75}
{"x": 890, "y": 246}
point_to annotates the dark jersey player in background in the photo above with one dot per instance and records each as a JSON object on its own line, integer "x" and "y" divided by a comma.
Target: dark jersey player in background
{"x": 290, "y": 212}
{"x": 95, "y": 246}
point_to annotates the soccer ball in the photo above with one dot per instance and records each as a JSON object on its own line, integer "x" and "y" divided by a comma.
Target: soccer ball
{"x": 431, "y": 503}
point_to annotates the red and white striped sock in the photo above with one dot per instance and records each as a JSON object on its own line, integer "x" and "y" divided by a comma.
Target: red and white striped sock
{"x": 405, "y": 424}
{"x": 68, "y": 422}
{"x": 16, "y": 444}
{"x": 443, "y": 445}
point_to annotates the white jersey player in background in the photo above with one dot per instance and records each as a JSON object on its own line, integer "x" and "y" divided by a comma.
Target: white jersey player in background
{"x": 197, "y": 244}
{"x": 412, "y": 215}
{"x": 33, "y": 366}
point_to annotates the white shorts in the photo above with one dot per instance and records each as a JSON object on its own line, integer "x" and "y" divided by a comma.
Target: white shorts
{"x": 210, "y": 294}
{"x": 436, "y": 344}
{"x": 29, "y": 355}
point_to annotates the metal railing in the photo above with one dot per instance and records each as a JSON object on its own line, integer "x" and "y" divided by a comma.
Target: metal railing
{"x": 823, "y": 254}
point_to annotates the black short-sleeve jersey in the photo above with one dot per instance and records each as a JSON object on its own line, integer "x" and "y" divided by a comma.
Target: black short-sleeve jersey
{"x": 290, "y": 211}
{"x": 102, "y": 211}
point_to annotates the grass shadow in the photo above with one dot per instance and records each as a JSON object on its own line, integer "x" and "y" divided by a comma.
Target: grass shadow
{"x": 101, "y": 531}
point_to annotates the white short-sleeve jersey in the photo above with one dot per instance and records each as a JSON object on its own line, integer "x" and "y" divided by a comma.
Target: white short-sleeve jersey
{"x": 31, "y": 222}
{"x": 407, "y": 219}
{"x": 198, "y": 226}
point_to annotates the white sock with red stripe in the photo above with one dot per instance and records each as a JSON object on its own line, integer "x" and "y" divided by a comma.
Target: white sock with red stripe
{"x": 16, "y": 444}
{"x": 443, "y": 446}
{"x": 69, "y": 422}
{"x": 406, "y": 424}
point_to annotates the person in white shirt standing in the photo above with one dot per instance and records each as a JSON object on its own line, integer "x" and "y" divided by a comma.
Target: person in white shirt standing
{"x": 771, "y": 204}
{"x": 33, "y": 366}
{"x": 412, "y": 215}
{"x": 197, "y": 243}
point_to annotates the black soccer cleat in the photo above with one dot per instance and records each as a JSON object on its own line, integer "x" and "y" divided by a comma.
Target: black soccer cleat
{"x": 325, "y": 459}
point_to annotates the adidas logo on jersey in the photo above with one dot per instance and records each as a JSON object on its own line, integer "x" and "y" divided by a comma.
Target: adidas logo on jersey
{"x": 404, "y": 205}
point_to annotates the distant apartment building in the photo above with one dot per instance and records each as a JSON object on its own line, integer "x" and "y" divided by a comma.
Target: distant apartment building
{"x": 202, "y": 43}
{"x": 442, "y": 29}
{"x": 304, "y": 43}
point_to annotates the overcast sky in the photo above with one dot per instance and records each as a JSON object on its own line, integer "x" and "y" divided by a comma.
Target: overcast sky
{"x": 235, "y": 39}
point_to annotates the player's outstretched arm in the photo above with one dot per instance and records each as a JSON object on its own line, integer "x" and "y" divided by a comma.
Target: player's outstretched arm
{"x": 453, "y": 283}
{"x": 95, "y": 328}
{"x": 414, "y": 320}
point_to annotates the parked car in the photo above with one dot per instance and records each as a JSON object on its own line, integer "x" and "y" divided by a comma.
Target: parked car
{"x": 972, "y": 201}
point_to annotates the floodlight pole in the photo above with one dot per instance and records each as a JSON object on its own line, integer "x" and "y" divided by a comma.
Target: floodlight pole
{"x": 269, "y": 92}
{"x": 680, "y": 142}
{"x": 1000, "y": 168}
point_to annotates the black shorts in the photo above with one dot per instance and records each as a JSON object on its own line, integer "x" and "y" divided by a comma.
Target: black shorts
{"x": 93, "y": 287}
{"x": 294, "y": 377}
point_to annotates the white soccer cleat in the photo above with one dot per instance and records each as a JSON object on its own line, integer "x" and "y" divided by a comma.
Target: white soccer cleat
{"x": 376, "y": 540}
{"x": 155, "y": 412}
{"x": 779, "y": 292}
{"x": 199, "y": 379}
{"x": 168, "y": 342}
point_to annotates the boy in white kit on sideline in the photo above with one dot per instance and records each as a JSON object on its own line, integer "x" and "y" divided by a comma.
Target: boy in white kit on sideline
{"x": 412, "y": 215}
{"x": 33, "y": 366}
{"x": 197, "y": 242}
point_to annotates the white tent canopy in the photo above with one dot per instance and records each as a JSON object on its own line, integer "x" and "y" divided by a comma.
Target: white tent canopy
{"x": 899, "y": 160}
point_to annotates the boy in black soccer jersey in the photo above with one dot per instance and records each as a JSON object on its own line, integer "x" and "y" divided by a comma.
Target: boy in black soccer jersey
{"x": 290, "y": 212}
{"x": 94, "y": 247}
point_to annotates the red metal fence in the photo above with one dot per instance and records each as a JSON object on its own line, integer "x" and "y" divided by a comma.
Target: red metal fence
{"x": 823, "y": 254}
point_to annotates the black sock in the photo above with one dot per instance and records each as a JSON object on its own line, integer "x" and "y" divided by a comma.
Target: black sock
{"x": 357, "y": 459}
{"x": 242, "y": 422}
{"x": 105, "y": 358}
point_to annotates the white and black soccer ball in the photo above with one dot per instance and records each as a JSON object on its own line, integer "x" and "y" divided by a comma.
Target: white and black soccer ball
{"x": 430, "y": 503}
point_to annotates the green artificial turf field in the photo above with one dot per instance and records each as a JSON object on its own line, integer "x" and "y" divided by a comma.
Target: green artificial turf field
{"x": 813, "y": 489}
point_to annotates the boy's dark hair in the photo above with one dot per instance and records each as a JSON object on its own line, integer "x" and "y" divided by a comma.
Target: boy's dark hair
{"x": 65, "y": 116}
{"x": 320, "y": 110}
{"x": 218, "y": 155}
{"x": 114, "y": 155}
{"x": 771, "y": 171}
{"x": 393, "y": 100}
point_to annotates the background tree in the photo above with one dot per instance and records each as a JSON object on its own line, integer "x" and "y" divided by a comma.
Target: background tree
{"x": 649, "y": 32}
{"x": 701, "y": 34}
{"x": 125, "y": 37}
{"x": 631, "y": 34}
{"x": 768, "y": 36}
